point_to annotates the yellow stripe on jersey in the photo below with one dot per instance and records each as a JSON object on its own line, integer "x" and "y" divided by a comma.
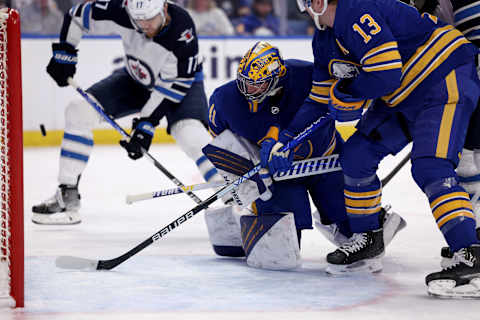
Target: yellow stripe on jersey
{"x": 386, "y": 46}
{"x": 253, "y": 106}
{"x": 426, "y": 59}
{"x": 363, "y": 202}
{"x": 320, "y": 91}
{"x": 213, "y": 134}
{"x": 383, "y": 61}
{"x": 447, "y": 117}
{"x": 211, "y": 114}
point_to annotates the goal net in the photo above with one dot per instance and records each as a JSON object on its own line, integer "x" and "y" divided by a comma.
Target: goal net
{"x": 11, "y": 162}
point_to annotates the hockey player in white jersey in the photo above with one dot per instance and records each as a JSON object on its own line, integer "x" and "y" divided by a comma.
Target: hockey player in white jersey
{"x": 162, "y": 78}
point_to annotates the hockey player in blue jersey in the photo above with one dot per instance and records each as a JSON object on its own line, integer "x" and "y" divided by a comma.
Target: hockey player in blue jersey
{"x": 464, "y": 15}
{"x": 267, "y": 93}
{"x": 416, "y": 75}
{"x": 162, "y": 78}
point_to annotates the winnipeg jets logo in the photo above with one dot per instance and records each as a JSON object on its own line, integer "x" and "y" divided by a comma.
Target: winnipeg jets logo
{"x": 274, "y": 110}
{"x": 140, "y": 71}
{"x": 187, "y": 36}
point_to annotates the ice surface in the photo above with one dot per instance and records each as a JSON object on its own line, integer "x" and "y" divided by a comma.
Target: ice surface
{"x": 179, "y": 277}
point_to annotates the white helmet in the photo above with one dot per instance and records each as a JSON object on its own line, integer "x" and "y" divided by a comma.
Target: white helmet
{"x": 306, "y": 5}
{"x": 145, "y": 9}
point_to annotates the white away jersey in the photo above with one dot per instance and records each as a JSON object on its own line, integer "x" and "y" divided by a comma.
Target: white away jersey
{"x": 168, "y": 64}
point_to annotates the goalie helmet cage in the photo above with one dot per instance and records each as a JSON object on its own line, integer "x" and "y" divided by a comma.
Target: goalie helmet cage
{"x": 11, "y": 162}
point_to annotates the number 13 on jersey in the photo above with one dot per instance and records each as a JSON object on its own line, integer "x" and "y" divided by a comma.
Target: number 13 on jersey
{"x": 371, "y": 25}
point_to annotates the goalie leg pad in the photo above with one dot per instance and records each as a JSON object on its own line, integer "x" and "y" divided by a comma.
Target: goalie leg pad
{"x": 224, "y": 231}
{"x": 270, "y": 241}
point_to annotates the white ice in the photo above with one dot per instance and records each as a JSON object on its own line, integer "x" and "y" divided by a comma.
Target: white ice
{"x": 179, "y": 277}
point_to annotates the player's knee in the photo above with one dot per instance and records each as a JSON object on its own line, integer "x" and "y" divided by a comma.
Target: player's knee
{"x": 79, "y": 115}
{"x": 191, "y": 135}
{"x": 426, "y": 171}
{"x": 270, "y": 241}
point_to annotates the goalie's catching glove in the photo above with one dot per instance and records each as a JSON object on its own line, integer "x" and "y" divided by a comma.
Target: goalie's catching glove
{"x": 63, "y": 63}
{"x": 141, "y": 138}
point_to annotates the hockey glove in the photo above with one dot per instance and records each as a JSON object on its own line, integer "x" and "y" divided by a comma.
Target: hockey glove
{"x": 141, "y": 138}
{"x": 272, "y": 158}
{"x": 63, "y": 64}
{"x": 343, "y": 107}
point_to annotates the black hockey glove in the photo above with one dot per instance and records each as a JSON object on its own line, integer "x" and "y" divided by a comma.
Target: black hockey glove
{"x": 141, "y": 138}
{"x": 63, "y": 63}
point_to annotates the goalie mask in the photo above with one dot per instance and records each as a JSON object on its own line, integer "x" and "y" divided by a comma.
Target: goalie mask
{"x": 142, "y": 11}
{"x": 305, "y": 6}
{"x": 259, "y": 71}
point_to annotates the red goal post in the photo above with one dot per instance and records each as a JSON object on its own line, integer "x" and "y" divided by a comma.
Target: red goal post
{"x": 11, "y": 162}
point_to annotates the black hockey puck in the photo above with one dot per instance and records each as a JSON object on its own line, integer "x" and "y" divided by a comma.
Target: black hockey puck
{"x": 42, "y": 130}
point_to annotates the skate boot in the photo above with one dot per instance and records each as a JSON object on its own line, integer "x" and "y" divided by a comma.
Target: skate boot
{"x": 61, "y": 209}
{"x": 461, "y": 279}
{"x": 447, "y": 254}
{"x": 362, "y": 252}
{"x": 392, "y": 223}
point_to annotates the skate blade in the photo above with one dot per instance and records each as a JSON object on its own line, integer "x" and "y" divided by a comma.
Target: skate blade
{"x": 55, "y": 219}
{"x": 446, "y": 289}
{"x": 393, "y": 224}
{"x": 362, "y": 266}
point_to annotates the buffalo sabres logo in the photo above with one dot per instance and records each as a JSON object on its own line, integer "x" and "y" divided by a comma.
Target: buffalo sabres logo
{"x": 187, "y": 36}
{"x": 140, "y": 71}
{"x": 274, "y": 110}
{"x": 340, "y": 69}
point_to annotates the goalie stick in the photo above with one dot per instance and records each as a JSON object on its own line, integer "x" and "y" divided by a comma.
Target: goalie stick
{"x": 114, "y": 124}
{"x": 301, "y": 168}
{"x": 69, "y": 262}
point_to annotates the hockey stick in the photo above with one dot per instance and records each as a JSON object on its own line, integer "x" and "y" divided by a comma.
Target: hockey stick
{"x": 114, "y": 124}
{"x": 69, "y": 262}
{"x": 302, "y": 168}
{"x": 396, "y": 169}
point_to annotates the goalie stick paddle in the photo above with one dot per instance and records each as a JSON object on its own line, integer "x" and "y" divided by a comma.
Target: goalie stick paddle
{"x": 301, "y": 168}
{"x": 114, "y": 124}
{"x": 69, "y": 262}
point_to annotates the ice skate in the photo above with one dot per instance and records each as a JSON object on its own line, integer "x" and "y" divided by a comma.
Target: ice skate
{"x": 363, "y": 252}
{"x": 461, "y": 279}
{"x": 391, "y": 221}
{"x": 61, "y": 209}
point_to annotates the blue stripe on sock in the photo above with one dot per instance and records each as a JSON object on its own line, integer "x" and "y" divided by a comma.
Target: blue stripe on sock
{"x": 475, "y": 178}
{"x": 79, "y": 139}
{"x": 200, "y": 160}
{"x": 73, "y": 155}
{"x": 210, "y": 174}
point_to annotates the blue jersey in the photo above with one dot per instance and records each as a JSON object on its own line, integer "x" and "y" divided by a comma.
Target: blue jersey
{"x": 399, "y": 51}
{"x": 230, "y": 110}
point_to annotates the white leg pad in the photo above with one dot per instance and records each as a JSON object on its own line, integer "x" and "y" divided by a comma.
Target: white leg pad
{"x": 273, "y": 247}
{"x": 223, "y": 226}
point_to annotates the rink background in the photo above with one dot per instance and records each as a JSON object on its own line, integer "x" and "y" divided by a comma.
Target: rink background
{"x": 179, "y": 277}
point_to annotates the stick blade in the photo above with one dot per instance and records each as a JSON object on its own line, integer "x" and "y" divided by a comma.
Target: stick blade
{"x": 75, "y": 263}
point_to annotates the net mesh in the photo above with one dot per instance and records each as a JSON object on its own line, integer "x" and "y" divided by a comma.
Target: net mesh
{"x": 5, "y": 272}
